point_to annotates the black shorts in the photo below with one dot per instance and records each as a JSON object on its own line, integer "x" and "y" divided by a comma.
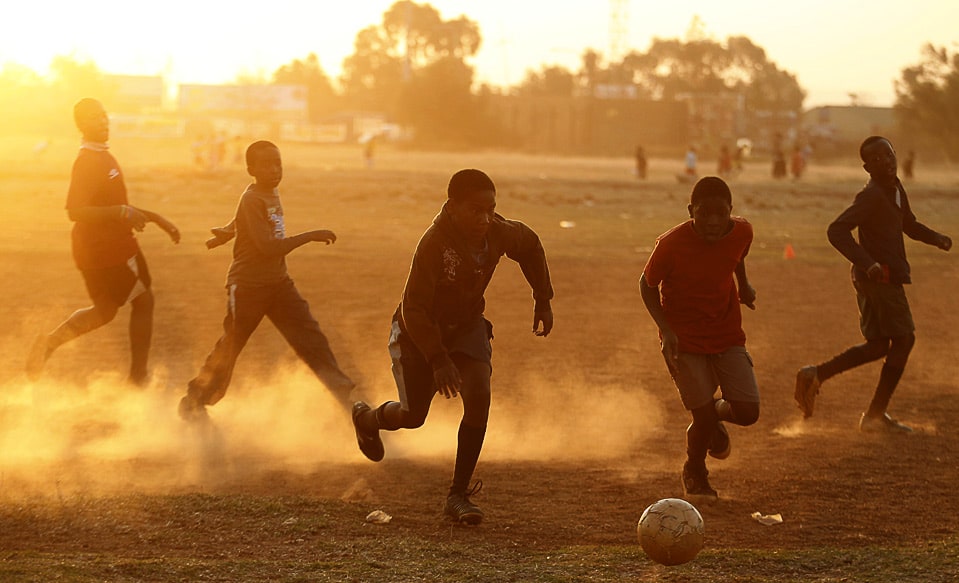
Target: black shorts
{"x": 414, "y": 374}
{"x": 119, "y": 284}
{"x": 883, "y": 310}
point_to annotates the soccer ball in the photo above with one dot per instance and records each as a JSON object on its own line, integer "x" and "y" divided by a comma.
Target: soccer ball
{"x": 671, "y": 531}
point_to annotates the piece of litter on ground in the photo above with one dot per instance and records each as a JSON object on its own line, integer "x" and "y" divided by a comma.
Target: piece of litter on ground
{"x": 378, "y": 517}
{"x": 566, "y": 224}
{"x": 767, "y": 519}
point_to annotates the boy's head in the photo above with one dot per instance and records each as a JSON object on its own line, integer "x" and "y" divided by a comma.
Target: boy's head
{"x": 264, "y": 164}
{"x": 878, "y": 157}
{"x": 92, "y": 120}
{"x": 472, "y": 202}
{"x": 710, "y": 205}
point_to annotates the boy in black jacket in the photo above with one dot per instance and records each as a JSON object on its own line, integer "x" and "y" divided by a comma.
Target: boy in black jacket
{"x": 882, "y": 214}
{"x": 439, "y": 339}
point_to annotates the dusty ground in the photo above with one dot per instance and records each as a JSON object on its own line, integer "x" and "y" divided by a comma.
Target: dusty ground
{"x": 99, "y": 480}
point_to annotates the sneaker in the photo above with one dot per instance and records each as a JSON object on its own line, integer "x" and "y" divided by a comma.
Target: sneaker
{"x": 39, "y": 353}
{"x": 807, "y": 387}
{"x": 882, "y": 424}
{"x": 461, "y": 509}
{"x": 696, "y": 483}
{"x": 369, "y": 441}
{"x": 191, "y": 411}
{"x": 720, "y": 446}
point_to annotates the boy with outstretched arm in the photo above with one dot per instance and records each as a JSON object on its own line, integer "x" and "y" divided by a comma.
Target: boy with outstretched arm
{"x": 105, "y": 249}
{"x": 258, "y": 285}
{"x": 687, "y": 287}
{"x": 439, "y": 339}
{"x": 882, "y": 215}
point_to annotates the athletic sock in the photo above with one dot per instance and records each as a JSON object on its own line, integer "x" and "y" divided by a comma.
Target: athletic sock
{"x": 697, "y": 443}
{"x": 376, "y": 419}
{"x": 846, "y": 360}
{"x": 469, "y": 444}
{"x": 888, "y": 379}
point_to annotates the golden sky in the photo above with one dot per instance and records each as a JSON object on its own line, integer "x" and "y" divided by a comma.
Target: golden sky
{"x": 836, "y": 47}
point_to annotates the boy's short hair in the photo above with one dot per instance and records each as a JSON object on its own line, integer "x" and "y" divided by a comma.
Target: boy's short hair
{"x": 867, "y": 143}
{"x": 83, "y": 108}
{"x": 710, "y": 187}
{"x": 255, "y": 148}
{"x": 468, "y": 181}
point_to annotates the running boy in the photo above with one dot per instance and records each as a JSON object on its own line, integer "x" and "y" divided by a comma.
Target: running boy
{"x": 439, "y": 339}
{"x": 258, "y": 285}
{"x": 687, "y": 287}
{"x": 879, "y": 270}
{"x": 105, "y": 249}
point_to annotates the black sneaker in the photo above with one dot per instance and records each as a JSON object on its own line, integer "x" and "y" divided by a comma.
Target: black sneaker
{"x": 720, "y": 446}
{"x": 461, "y": 509}
{"x": 369, "y": 441}
{"x": 696, "y": 483}
{"x": 882, "y": 424}
{"x": 807, "y": 387}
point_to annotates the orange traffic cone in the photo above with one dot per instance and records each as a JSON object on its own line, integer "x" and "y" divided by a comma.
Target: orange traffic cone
{"x": 789, "y": 252}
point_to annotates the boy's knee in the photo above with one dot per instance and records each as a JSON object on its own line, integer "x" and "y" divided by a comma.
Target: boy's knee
{"x": 744, "y": 413}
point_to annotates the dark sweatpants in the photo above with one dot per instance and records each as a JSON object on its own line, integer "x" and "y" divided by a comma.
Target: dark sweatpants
{"x": 289, "y": 312}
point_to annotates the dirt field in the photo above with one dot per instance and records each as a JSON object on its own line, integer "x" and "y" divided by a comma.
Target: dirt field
{"x": 101, "y": 482}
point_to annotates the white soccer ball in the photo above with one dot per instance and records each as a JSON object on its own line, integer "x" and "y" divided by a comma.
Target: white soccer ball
{"x": 671, "y": 531}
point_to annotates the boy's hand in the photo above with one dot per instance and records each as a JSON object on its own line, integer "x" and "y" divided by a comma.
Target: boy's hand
{"x": 170, "y": 229}
{"x": 447, "y": 378}
{"x": 323, "y": 236}
{"x": 221, "y": 235}
{"x": 133, "y": 217}
{"x": 670, "y": 350}
{"x": 944, "y": 243}
{"x": 545, "y": 318}
{"x": 874, "y": 273}
{"x": 747, "y": 296}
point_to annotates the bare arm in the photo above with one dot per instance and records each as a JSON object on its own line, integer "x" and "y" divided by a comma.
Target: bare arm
{"x": 747, "y": 294}
{"x": 654, "y": 305}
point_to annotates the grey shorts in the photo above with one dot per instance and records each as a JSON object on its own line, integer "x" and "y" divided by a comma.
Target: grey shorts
{"x": 698, "y": 376}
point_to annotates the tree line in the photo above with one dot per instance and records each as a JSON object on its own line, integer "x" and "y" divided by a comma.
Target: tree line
{"x": 414, "y": 66}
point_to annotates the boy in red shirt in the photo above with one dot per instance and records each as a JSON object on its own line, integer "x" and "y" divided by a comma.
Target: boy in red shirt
{"x": 687, "y": 287}
{"x": 104, "y": 247}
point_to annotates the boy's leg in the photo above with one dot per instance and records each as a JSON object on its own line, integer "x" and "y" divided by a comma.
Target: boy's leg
{"x": 141, "y": 319}
{"x": 415, "y": 388}
{"x": 737, "y": 381}
{"x": 875, "y": 416}
{"x": 469, "y": 441}
{"x": 696, "y": 381}
{"x": 109, "y": 289}
{"x": 290, "y": 313}
{"x": 141, "y": 333}
{"x": 245, "y": 309}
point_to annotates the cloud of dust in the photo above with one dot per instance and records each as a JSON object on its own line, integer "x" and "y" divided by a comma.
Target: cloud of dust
{"x": 104, "y": 437}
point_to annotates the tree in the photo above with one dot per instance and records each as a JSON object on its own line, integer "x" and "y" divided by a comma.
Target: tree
{"x": 927, "y": 100}
{"x": 671, "y": 67}
{"x": 309, "y": 73}
{"x": 550, "y": 80}
{"x": 413, "y": 66}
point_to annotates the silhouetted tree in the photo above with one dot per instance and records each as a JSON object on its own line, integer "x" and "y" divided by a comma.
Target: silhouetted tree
{"x": 927, "y": 101}
{"x": 413, "y": 66}
{"x": 308, "y": 72}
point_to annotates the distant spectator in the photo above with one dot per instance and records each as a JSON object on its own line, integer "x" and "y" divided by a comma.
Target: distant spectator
{"x": 908, "y": 164}
{"x": 641, "y": 163}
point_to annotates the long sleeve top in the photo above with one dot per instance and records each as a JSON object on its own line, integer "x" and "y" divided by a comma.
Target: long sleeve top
{"x": 883, "y": 215}
{"x": 445, "y": 288}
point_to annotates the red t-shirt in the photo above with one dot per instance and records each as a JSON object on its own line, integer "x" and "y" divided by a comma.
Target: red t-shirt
{"x": 96, "y": 180}
{"x": 699, "y": 297}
